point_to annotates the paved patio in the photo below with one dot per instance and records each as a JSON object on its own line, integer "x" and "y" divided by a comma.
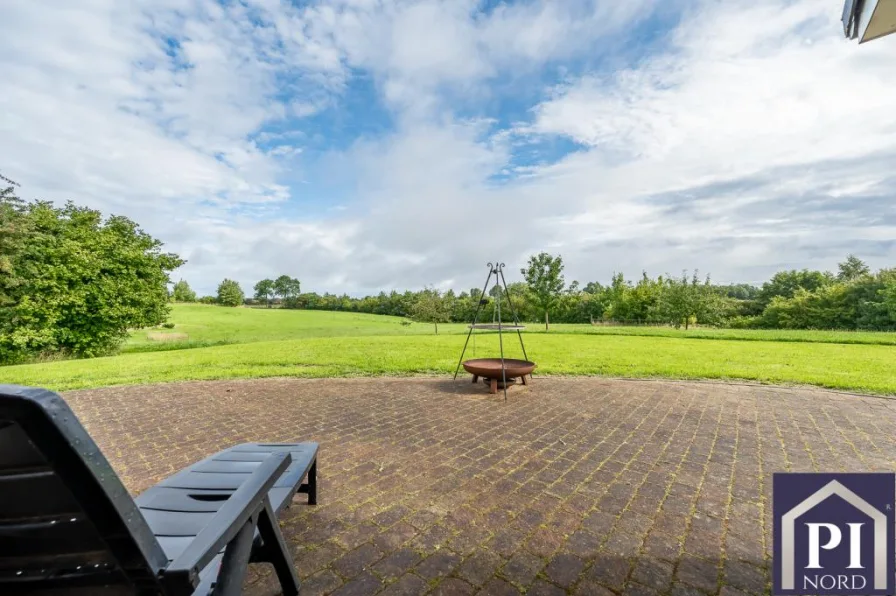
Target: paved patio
{"x": 586, "y": 486}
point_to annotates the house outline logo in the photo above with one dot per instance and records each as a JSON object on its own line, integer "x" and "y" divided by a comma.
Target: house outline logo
{"x": 834, "y": 487}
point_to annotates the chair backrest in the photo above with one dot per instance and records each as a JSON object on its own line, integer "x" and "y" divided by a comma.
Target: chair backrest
{"x": 67, "y": 524}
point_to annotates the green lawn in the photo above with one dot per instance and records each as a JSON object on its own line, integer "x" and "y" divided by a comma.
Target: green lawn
{"x": 206, "y": 326}
{"x": 285, "y": 343}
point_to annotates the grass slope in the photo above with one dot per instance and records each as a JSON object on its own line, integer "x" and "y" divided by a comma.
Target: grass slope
{"x": 213, "y": 325}
{"x": 340, "y": 344}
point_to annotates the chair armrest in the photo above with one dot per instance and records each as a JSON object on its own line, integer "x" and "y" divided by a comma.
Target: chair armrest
{"x": 183, "y": 573}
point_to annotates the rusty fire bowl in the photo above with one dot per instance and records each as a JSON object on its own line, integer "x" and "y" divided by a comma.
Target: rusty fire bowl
{"x": 490, "y": 368}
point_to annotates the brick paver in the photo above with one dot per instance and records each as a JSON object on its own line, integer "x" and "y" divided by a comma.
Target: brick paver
{"x": 573, "y": 486}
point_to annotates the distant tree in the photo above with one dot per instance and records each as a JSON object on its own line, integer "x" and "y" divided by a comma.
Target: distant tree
{"x": 544, "y": 275}
{"x": 264, "y": 290}
{"x": 183, "y": 293}
{"x": 786, "y": 283}
{"x": 75, "y": 283}
{"x": 683, "y": 301}
{"x": 230, "y": 293}
{"x": 288, "y": 289}
{"x": 593, "y": 287}
{"x": 739, "y": 291}
{"x": 208, "y": 300}
{"x": 852, "y": 269}
{"x": 431, "y": 307}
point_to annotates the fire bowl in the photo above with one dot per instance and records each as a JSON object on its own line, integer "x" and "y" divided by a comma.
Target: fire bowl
{"x": 490, "y": 368}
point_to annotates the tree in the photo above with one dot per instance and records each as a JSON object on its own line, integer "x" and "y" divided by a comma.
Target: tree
{"x": 77, "y": 283}
{"x": 677, "y": 301}
{"x": 230, "y": 293}
{"x": 786, "y": 283}
{"x": 288, "y": 289}
{"x": 183, "y": 293}
{"x": 593, "y": 287}
{"x": 264, "y": 290}
{"x": 544, "y": 275}
{"x": 739, "y": 291}
{"x": 431, "y": 307}
{"x": 852, "y": 269}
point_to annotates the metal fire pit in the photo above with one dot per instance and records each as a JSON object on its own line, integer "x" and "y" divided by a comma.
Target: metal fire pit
{"x": 490, "y": 369}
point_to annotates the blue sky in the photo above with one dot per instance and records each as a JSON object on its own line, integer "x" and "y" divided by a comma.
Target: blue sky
{"x": 364, "y": 145}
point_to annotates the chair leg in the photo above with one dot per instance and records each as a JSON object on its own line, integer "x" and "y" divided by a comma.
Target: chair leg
{"x": 312, "y": 483}
{"x": 235, "y": 562}
{"x": 276, "y": 550}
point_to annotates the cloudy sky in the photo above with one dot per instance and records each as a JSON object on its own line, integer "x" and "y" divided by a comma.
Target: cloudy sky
{"x": 362, "y": 145}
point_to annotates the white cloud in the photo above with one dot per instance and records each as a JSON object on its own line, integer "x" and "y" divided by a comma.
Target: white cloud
{"x": 749, "y": 137}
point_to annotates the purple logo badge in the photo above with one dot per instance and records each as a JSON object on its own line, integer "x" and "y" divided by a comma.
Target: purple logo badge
{"x": 834, "y": 533}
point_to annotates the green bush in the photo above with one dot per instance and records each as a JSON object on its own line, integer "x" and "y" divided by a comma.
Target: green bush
{"x": 230, "y": 293}
{"x": 73, "y": 283}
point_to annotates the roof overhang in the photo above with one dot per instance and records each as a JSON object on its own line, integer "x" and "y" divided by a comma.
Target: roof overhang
{"x": 869, "y": 19}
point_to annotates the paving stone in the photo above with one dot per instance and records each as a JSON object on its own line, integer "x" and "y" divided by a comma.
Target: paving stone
{"x": 362, "y": 585}
{"x": 564, "y": 569}
{"x": 609, "y": 571}
{"x": 543, "y": 588}
{"x": 583, "y": 544}
{"x": 479, "y": 567}
{"x": 354, "y": 562}
{"x": 636, "y": 589}
{"x": 453, "y": 587}
{"x": 745, "y": 576}
{"x": 589, "y": 587}
{"x": 522, "y": 568}
{"x": 397, "y": 563}
{"x": 438, "y": 565}
{"x": 498, "y": 587}
{"x": 654, "y": 573}
{"x": 407, "y": 585}
{"x": 320, "y": 583}
{"x": 729, "y": 591}
{"x": 698, "y": 573}
{"x": 309, "y": 561}
{"x": 395, "y": 536}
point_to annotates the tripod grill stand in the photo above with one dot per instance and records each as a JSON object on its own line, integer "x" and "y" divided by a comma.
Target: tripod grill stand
{"x": 489, "y": 368}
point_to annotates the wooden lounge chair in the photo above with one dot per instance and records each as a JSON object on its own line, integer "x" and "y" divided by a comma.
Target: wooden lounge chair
{"x": 68, "y": 525}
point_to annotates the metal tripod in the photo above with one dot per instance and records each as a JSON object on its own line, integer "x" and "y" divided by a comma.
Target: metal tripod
{"x": 497, "y": 270}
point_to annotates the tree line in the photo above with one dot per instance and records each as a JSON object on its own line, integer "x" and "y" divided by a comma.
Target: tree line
{"x": 853, "y": 297}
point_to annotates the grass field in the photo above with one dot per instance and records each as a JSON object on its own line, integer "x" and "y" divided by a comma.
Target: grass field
{"x": 242, "y": 343}
{"x": 206, "y": 326}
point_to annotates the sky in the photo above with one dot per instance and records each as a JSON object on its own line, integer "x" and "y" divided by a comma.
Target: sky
{"x": 367, "y": 145}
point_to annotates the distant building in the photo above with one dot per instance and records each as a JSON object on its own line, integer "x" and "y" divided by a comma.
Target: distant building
{"x": 869, "y": 19}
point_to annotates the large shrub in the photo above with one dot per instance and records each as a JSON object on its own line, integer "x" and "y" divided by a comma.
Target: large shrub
{"x": 74, "y": 283}
{"x": 230, "y": 293}
{"x": 182, "y": 292}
